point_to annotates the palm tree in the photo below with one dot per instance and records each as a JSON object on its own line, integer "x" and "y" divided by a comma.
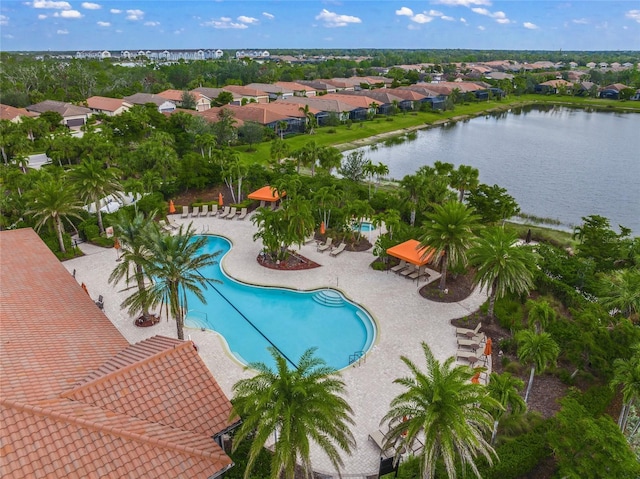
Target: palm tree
{"x": 502, "y": 266}
{"x": 310, "y": 120}
{"x": 449, "y": 231}
{"x": 505, "y": 388}
{"x": 463, "y": 179}
{"x": 541, "y": 314}
{"x": 132, "y": 232}
{"x": 296, "y": 405}
{"x": 173, "y": 267}
{"x": 627, "y": 373}
{"x": 52, "y": 201}
{"x": 93, "y": 183}
{"x": 621, "y": 291}
{"x": 452, "y": 412}
{"x": 540, "y": 350}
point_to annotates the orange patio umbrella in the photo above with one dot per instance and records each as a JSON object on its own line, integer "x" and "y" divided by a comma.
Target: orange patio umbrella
{"x": 411, "y": 252}
{"x": 172, "y": 207}
{"x": 84, "y": 286}
{"x": 476, "y": 378}
{"x": 487, "y": 347}
{"x": 323, "y": 229}
{"x": 220, "y": 200}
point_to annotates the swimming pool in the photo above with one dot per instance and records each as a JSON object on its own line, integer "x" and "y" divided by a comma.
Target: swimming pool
{"x": 365, "y": 227}
{"x": 251, "y": 318}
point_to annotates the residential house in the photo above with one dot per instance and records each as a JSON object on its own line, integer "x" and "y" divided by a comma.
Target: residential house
{"x": 77, "y": 400}
{"x": 585, "y": 88}
{"x": 246, "y": 94}
{"x": 203, "y": 102}
{"x": 275, "y": 92}
{"x": 14, "y": 114}
{"x": 320, "y": 86}
{"x": 212, "y": 94}
{"x": 612, "y": 91}
{"x": 297, "y": 88}
{"x": 108, "y": 106}
{"x": 435, "y": 99}
{"x": 163, "y": 104}
{"x": 554, "y": 86}
{"x": 295, "y": 118}
{"x": 343, "y": 110}
{"x": 72, "y": 115}
{"x": 365, "y": 105}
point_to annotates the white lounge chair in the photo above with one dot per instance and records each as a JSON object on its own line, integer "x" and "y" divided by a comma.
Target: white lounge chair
{"x": 412, "y": 268}
{"x": 470, "y": 333}
{"x": 185, "y": 212}
{"x": 225, "y": 212}
{"x": 243, "y": 214}
{"x": 325, "y": 246}
{"x": 214, "y": 210}
{"x": 172, "y": 223}
{"x": 205, "y": 210}
{"x": 232, "y": 213}
{"x": 399, "y": 267}
{"x": 468, "y": 357}
{"x": 338, "y": 250}
{"x": 195, "y": 212}
{"x": 165, "y": 227}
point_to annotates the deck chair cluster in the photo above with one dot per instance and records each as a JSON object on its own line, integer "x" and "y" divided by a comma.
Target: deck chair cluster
{"x": 471, "y": 344}
{"x": 410, "y": 270}
{"x": 228, "y": 212}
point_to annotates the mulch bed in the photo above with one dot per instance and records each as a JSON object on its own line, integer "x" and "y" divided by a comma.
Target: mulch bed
{"x": 458, "y": 288}
{"x": 150, "y": 321}
{"x": 294, "y": 262}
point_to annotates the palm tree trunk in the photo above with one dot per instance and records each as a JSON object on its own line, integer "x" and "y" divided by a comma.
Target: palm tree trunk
{"x": 526, "y": 396}
{"x": 140, "y": 281}
{"x": 624, "y": 416}
{"x": 492, "y": 303}
{"x": 494, "y": 433}
{"x": 443, "y": 275}
{"x": 412, "y": 219}
{"x": 58, "y": 223}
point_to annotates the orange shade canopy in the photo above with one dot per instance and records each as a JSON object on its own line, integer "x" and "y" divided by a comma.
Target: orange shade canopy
{"x": 220, "y": 199}
{"x": 266, "y": 193}
{"x": 411, "y": 252}
{"x": 172, "y": 207}
{"x": 487, "y": 347}
{"x": 476, "y": 378}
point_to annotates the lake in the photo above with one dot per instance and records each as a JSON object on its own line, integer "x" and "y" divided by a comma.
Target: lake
{"x": 556, "y": 162}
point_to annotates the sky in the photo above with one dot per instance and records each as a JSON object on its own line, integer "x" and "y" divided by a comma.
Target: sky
{"x": 55, "y": 25}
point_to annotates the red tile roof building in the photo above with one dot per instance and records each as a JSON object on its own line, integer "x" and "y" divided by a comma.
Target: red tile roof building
{"x": 77, "y": 400}
{"x": 14, "y": 114}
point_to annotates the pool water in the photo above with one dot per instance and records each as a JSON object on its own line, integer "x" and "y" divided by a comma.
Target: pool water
{"x": 365, "y": 227}
{"x": 252, "y": 318}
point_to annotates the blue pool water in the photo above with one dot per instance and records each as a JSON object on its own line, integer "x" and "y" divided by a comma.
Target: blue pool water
{"x": 252, "y": 318}
{"x": 365, "y": 227}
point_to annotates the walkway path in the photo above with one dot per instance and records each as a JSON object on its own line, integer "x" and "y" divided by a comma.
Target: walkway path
{"x": 403, "y": 318}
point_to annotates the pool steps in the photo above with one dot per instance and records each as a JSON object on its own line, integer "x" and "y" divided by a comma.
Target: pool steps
{"x": 329, "y": 298}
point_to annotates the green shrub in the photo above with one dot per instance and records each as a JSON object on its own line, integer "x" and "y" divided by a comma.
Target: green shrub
{"x": 102, "y": 241}
{"x": 154, "y": 201}
{"x": 378, "y": 266}
{"x": 514, "y": 367}
{"x": 508, "y": 345}
{"x": 91, "y": 221}
{"x": 509, "y": 313}
{"x": 596, "y": 399}
{"x": 91, "y": 232}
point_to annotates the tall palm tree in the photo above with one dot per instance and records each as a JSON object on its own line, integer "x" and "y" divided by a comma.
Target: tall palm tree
{"x": 540, "y": 350}
{"x": 310, "y": 120}
{"x": 452, "y": 412}
{"x": 463, "y": 179}
{"x": 450, "y": 231}
{"x": 505, "y": 388}
{"x": 173, "y": 267}
{"x": 627, "y": 373}
{"x": 52, "y": 201}
{"x": 299, "y": 405}
{"x": 541, "y": 314}
{"x": 132, "y": 234}
{"x": 93, "y": 182}
{"x": 501, "y": 265}
{"x": 621, "y": 291}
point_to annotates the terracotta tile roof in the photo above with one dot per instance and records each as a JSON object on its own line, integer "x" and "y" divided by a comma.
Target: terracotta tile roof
{"x": 144, "y": 98}
{"x": 294, "y": 86}
{"x": 319, "y": 103}
{"x": 76, "y": 400}
{"x": 290, "y": 110}
{"x": 176, "y": 95}
{"x": 8, "y": 112}
{"x": 211, "y": 93}
{"x": 211, "y": 115}
{"x": 106, "y": 104}
{"x": 407, "y": 94}
{"x": 245, "y": 91}
{"x": 557, "y": 83}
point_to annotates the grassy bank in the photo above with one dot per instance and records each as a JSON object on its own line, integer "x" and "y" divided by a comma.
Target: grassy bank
{"x": 360, "y": 134}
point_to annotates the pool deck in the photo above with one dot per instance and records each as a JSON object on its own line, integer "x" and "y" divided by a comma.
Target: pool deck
{"x": 402, "y": 316}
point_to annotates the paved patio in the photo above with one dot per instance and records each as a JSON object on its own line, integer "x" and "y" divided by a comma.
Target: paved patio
{"x": 403, "y": 318}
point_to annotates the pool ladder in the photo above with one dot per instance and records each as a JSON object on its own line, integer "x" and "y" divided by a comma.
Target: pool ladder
{"x": 356, "y": 357}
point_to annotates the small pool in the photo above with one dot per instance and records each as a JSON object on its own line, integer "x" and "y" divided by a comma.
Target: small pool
{"x": 252, "y": 318}
{"x": 365, "y": 227}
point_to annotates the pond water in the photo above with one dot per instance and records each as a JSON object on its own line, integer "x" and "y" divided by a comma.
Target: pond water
{"x": 556, "y": 162}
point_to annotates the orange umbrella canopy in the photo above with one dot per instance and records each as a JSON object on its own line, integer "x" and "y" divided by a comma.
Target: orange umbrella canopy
{"x": 220, "y": 199}
{"x": 266, "y": 193}
{"x": 116, "y": 243}
{"x": 411, "y": 252}
{"x": 172, "y": 207}
{"x": 323, "y": 228}
{"x": 476, "y": 378}
{"x": 487, "y": 347}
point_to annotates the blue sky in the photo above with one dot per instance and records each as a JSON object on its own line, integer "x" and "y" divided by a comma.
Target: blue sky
{"x": 249, "y": 24}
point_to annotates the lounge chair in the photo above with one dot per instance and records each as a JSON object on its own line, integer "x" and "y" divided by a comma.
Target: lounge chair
{"x": 325, "y": 246}
{"x": 214, "y": 210}
{"x": 172, "y": 224}
{"x": 100, "y": 302}
{"x": 310, "y": 238}
{"x": 472, "y": 344}
{"x": 195, "y": 212}
{"x": 412, "y": 268}
{"x": 205, "y": 210}
{"x": 469, "y": 357}
{"x": 225, "y": 212}
{"x": 399, "y": 267}
{"x": 470, "y": 333}
{"x": 165, "y": 227}
{"x": 243, "y": 214}
{"x": 185, "y": 212}
{"x": 418, "y": 273}
{"x": 380, "y": 440}
{"x": 232, "y": 213}
{"x": 338, "y": 250}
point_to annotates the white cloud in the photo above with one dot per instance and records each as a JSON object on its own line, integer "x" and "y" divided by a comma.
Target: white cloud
{"x": 463, "y": 20}
{"x": 435, "y": 13}
{"x": 135, "y": 14}
{"x": 268, "y": 15}
{"x": 404, "y": 12}
{"x": 103, "y": 24}
{"x": 448, "y": 18}
{"x": 247, "y": 20}
{"x": 633, "y": 15}
{"x": 224, "y": 23}
{"x": 333, "y": 20}
{"x": 499, "y": 16}
{"x": 530, "y": 26}
{"x": 62, "y": 32}
{"x": 151, "y": 24}
{"x": 91, "y": 6}
{"x": 42, "y": 16}
{"x": 481, "y": 28}
{"x": 9, "y": 36}
{"x": 68, "y": 14}
{"x": 581, "y": 21}
{"x": 4, "y": 20}
{"x": 51, "y": 4}
{"x": 463, "y": 3}
{"x": 421, "y": 18}
{"x": 481, "y": 11}
{"x": 115, "y": 10}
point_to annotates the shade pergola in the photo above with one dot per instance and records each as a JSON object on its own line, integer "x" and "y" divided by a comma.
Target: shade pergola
{"x": 411, "y": 252}
{"x": 265, "y": 194}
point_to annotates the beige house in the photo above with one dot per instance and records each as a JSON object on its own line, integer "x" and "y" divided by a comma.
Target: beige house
{"x": 108, "y": 106}
{"x": 203, "y": 102}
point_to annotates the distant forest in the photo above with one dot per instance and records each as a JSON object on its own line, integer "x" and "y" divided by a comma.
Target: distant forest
{"x": 28, "y": 78}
